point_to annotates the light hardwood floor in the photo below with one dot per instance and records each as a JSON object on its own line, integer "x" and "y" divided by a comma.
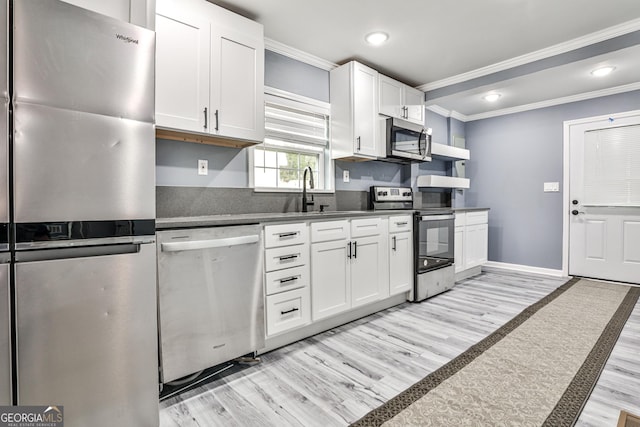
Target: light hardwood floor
{"x": 335, "y": 377}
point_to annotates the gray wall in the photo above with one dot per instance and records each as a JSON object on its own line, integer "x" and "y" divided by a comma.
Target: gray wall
{"x": 511, "y": 157}
{"x": 294, "y": 76}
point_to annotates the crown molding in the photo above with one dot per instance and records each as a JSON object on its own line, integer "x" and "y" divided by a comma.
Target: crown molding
{"x": 298, "y": 54}
{"x": 439, "y": 110}
{"x": 552, "y": 102}
{"x": 589, "y": 39}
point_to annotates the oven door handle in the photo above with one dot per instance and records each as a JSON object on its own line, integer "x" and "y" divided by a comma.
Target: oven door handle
{"x": 436, "y": 217}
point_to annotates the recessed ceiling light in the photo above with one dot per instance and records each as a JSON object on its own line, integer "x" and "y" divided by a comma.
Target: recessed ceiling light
{"x": 601, "y": 72}
{"x": 377, "y": 38}
{"x": 492, "y": 97}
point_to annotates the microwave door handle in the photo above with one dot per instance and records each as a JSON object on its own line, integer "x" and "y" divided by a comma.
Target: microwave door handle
{"x": 420, "y": 145}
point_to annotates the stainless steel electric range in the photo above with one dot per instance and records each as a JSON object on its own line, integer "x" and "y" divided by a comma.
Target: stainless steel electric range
{"x": 433, "y": 240}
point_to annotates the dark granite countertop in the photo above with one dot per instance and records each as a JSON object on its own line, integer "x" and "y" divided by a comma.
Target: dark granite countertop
{"x": 256, "y": 218}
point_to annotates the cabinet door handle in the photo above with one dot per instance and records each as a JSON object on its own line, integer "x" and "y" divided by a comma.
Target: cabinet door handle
{"x": 205, "y": 118}
{"x": 358, "y": 141}
{"x": 349, "y": 253}
{"x": 283, "y": 235}
{"x": 289, "y": 311}
{"x": 393, "y": 243}
{"x": 405, "y": 112}
{"x": 355, "y": 249}
{"x": 289, "y": 279}
{"x": 288, "y": 257}
{"x": 217, "y": 120}
{"x": 401, "y": 223}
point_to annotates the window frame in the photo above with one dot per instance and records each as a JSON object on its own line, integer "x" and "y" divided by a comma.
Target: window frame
{"x": 326, "y": 173}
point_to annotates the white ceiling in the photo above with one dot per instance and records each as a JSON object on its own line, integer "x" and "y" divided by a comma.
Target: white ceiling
{"x": 444, "y": 43}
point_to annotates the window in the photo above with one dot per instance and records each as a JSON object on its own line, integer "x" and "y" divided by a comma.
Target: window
{"x": 296, "y": 137}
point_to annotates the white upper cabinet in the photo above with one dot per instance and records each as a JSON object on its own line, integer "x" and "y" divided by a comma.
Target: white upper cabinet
{"x": 354, "y": 100}
{"x": 209, "y": 71}
{"x": 139, "y": 12}
{"x": 237, "y": 82}
{"x": 182, "y": 69}
{"x": 399, "y": 100}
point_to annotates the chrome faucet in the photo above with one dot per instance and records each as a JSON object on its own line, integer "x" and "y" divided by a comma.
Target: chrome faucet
{"x": 306, "y": 203}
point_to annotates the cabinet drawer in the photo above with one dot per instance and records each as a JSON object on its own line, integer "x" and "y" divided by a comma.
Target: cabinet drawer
{"x": 284, "y": 235}
{"x": 329, "y": 230}
{"x": 289, "y": 256}
{"x": 477, "y": 217}
{"x": 366, "y": 227}
{"x": 400, "y": 223}
{"x": 288, "y": 310}
{"x": 287, "y": 279}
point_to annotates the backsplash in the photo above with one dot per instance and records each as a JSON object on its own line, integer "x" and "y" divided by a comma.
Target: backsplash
{"x": 199, "y": 201}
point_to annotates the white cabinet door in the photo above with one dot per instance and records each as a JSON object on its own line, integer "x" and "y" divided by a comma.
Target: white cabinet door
{"x": 330, "y": 286}
{"x": 414, "y": 103}
{"x": 182, "y": 69}
{"x": 237, "y": 84}
{"x": 400, "y": 262}
{"x": 391, "y": 96}
{"x": 365, "y": 101}
{"x": 475, "y": 245}
{"x": 369, "y": 277}
{"x": 458, "y": 248}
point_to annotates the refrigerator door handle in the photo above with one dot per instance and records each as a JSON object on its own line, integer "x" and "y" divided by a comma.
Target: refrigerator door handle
{"x": 78, "y": 243}
{"x": 81, "y": 252}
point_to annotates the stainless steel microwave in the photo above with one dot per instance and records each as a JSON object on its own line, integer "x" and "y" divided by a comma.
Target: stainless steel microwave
{"x": 406, "y": 141}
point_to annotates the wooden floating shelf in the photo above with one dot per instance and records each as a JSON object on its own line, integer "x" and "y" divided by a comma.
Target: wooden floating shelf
{"x": 201, "y": 138}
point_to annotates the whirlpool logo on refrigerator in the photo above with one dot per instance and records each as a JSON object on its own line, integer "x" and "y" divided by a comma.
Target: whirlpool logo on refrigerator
{"x": 31, "y": 416}
{"x": 127, "y": 39}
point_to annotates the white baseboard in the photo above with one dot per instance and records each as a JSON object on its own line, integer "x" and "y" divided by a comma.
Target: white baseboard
{"x": 522, "y": 268}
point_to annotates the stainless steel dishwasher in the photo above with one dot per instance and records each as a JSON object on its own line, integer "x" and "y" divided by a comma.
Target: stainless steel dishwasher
{"x": 211, "y": 303}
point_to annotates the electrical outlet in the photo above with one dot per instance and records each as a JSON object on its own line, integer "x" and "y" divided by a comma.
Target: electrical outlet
{"x": 203, "y": 167}
{"x": 345, "y": 176}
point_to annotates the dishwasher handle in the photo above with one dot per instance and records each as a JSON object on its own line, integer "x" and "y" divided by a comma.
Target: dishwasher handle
{"x": 208, "y": 244}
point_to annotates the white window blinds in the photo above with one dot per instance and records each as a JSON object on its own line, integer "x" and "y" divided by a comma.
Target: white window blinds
{"x": 286, "y": 123}
{"x": 612, "y": 167}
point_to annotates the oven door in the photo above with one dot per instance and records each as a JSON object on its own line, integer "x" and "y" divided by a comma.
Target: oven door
{"x": 435, "y": 239}
{"x": 407, "y": 140}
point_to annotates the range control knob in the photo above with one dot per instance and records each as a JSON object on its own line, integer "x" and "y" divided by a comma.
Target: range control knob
{"x": 408, "y": 193}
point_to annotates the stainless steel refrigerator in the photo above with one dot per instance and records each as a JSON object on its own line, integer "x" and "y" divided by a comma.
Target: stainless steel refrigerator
{"x": 82, "y": 145}
{"x": 5, "y": 314}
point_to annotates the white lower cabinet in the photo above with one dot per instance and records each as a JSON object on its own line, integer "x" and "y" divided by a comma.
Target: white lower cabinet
{"x": 400, "y": 254}
{"x": 286, "y": 277}
{"x": 287, "y": 310}
{"x": 330, "y": 278}
{"x": 368, "y": 270}
{"x": 471, "y": 240}
{"x": 351, "y": 270}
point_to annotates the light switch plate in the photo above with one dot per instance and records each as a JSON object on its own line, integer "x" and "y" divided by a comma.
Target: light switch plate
{"x": 345, "y": 176}
{"x": 203, "y": 167}
{"x": 551, "y": 187}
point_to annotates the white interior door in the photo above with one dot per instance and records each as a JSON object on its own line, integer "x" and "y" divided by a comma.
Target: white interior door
{"x": 604, "y": 224}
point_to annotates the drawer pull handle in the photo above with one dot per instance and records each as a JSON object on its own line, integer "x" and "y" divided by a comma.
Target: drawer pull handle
{"x": 289, "y": 279}
{"x": 288, "y": 257}
{"x": 289, "y": 311}
{"x": 283, "y": 235}
{"x": 402, "y": 223}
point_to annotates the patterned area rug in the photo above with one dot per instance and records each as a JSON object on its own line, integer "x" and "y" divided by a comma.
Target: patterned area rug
{"x": 537, "y": 370}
